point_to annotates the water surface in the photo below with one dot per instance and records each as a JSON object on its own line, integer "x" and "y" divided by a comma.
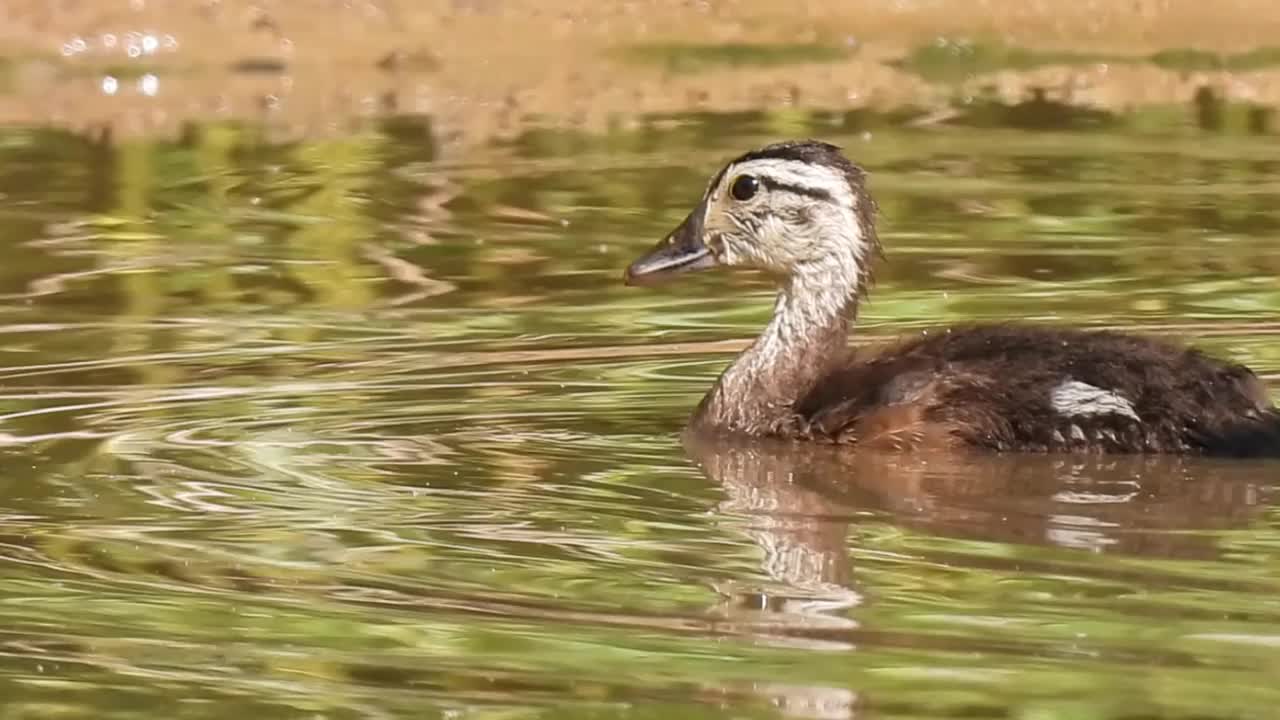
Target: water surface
{"x": 361, "y": 427}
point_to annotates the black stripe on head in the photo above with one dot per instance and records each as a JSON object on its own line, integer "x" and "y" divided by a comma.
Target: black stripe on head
{"x": 815, "y": 193}
{"x": 816, "y": 152}
{"x": 812, "y": 152}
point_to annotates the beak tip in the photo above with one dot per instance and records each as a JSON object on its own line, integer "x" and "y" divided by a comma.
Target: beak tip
{"x": 633, "y": 278}
{"x": 680, "y": 251}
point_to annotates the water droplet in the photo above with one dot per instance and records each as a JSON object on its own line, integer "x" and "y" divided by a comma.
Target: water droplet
{"x": 149, "y": 44}
{"x": 110, "y": 85}
{"x": 109, "y": 40}
{"x": 170, "y": 42}
{"x": 149, "y": 84}
{"x": 134, "y": 51}
{"x": 79, "y": 45}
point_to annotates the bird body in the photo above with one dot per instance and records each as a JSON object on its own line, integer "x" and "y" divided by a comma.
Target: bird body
{"x": 800, "y": 211}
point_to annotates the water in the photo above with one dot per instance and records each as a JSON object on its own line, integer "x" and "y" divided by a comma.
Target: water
{"x": 365, "y": 427}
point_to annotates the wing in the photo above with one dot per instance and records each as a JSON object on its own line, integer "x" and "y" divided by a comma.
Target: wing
{"x": 1033, "y": 389}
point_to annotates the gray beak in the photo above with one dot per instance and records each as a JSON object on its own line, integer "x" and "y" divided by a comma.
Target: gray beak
{"x": 681, "y": 251}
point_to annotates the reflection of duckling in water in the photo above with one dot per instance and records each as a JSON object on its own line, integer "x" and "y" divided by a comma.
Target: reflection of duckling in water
{"x": 802, "y": 505}
{"x": 801, "y": 212}
{"x": 806, "y": 496}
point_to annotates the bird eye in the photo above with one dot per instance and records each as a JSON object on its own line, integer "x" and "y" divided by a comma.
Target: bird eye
{"x": 744, "y": 187}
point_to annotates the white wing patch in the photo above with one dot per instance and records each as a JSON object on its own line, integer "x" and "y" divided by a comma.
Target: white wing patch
{"x": 1073, "y": 398}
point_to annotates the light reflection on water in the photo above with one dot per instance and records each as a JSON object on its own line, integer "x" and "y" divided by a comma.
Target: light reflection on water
{"x": 334, "y": 429}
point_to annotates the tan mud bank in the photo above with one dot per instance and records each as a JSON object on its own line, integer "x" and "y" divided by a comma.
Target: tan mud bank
{"x": 483, "y": 68}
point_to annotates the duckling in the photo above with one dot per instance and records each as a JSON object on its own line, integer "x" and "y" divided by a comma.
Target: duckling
{"x": 800, "y": 212}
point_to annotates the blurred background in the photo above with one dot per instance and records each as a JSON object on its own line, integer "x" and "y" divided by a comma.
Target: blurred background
{"x": 321, "y": 397}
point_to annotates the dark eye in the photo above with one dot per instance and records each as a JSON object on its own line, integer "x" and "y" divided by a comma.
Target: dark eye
{"x": 744, "y": 187}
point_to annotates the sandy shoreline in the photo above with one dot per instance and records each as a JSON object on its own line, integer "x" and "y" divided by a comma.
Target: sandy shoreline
{"x": 481, "y": 68}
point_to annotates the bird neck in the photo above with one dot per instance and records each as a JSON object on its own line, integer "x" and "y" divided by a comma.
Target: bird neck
{"x": 806, "y": 338}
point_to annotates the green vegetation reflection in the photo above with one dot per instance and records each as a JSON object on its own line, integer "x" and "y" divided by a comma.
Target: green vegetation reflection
{"x": 334, "y": 428}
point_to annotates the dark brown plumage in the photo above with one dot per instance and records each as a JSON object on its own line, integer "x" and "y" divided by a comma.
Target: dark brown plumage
{"x": 992, "y": 387}
{"x": 803, "y": 215}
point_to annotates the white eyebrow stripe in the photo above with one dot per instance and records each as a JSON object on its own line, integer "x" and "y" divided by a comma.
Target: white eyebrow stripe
{"x": 794, "y": 172}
